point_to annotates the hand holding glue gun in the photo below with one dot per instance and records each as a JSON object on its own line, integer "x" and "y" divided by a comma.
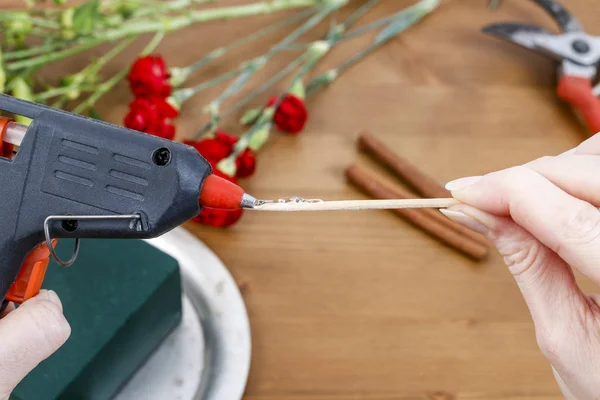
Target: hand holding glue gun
{"x": 28, "y": 335}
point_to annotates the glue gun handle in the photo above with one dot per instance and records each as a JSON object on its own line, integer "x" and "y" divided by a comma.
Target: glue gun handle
{"x": 12, "y": 257}
{"x": 579, "y": 92}
{"x": 22, "y": 271}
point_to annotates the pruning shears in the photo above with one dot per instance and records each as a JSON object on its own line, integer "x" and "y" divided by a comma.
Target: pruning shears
{"x": 577, "y": 52}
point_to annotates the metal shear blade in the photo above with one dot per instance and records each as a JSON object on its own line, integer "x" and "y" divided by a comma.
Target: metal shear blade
{"x": 561, "y": 15}
{"x": 573, "y": 44}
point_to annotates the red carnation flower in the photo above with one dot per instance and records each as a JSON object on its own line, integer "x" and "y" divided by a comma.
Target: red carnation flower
{"x": 149, "y": 77}
{"x": 164, "y": 108}
{"x": 150, "y": 115}
{"x": 246, "y": 163}
{"x": 226, "y": 138}
{"x": 218, "y": 218}
{"x": 291, "y": 114}
{"x": 162, "y": 129}
{"x": 211, "y": 149}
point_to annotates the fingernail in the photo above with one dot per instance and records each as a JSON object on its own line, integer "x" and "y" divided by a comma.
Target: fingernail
{"x": 462, "y": 183}
{"x": 465, "y": 220}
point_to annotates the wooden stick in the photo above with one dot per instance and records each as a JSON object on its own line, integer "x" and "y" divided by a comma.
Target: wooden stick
{"x": 429, "y": 220}
{"x": 425, "y": 185}
{"x": 380, "y": 189}
{"x": 344, "y": 205}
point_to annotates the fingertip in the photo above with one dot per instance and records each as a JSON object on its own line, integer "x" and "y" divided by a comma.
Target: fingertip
{"x": 50, "y": 296}
{"x": 46, "y": 311}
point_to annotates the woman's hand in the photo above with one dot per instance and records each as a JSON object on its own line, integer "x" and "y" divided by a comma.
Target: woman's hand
{"x": 28, "y": 335}
{"x": 543, "y": 218}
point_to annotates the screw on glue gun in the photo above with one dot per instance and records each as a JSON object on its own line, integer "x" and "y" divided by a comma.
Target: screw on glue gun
{"x": 68, "y": 176}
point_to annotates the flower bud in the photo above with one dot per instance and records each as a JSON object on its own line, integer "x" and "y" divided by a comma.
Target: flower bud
{"x": 227, "y": 166}
{"x": 17, "y": 28}
{"x": 127, "y": 8}
{"x": 212, "y": 108}
{"x": 21, "y": 90}
{"x": 73, "y": 94}
{"x": 259, "y": 137}
{"x": 250, "y": 116}
{"x": 178, "y": 76}
{"x": 172, "y": 101}
{"x": 72, "y": 80}
{"x": 241, "y": 144}
{"x": 297, "y": 89}
{"x": 317, "y": 50}
{"x": 66, "y": 23}
{"x": 256, "y": 64}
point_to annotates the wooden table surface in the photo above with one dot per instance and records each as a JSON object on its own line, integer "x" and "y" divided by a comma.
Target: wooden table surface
{"x": 362, "y": 305}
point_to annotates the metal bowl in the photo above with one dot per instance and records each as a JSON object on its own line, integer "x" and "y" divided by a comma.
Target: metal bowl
{"x": 208, "y": 356}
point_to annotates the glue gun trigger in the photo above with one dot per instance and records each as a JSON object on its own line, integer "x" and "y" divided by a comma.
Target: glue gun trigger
{"x": 31, "y": 276}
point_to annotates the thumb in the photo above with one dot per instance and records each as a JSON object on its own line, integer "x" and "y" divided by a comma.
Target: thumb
{"x": 28, "y": 335}
{"x": 545, "y": 280}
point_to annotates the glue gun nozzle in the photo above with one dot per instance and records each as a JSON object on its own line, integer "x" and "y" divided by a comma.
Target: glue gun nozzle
{"x": 222, "y": 194}
{"x": 248, "y": 201}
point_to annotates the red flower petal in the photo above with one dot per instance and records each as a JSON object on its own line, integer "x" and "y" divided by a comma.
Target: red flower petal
{"x": 218, "y": 218}
{"x": 226, "y": 138}
{"x": 149, "y": 76}
{"x": 163, "y": 129}
{"x": 291, "y": 115}
{"x": 164, "y": 108}
{"x": 211, "y": 149}
{"x": 246, "y": 163}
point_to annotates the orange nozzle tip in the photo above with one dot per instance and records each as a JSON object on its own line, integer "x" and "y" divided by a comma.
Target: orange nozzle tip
{"x": 220, "y": 193}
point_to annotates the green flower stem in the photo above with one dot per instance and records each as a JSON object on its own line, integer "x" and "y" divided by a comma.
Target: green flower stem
{"x": 356, "y": 15}
{"x": 263, "y": 88}
{"x": 89, "y": 71}
{"x": 258, "y": 62}
{"x": 41, "y": 22}
{"x": 494, "y": 4}
{"x": 181, "y": 95}
{"x": 170, "y": 24}
{"x": 404, "y": 20}
{"x": 291, "y": 66}
{"x": 108, "y": 85}
{"x": 258, "y": 8}
{"x": 33, "y": 51}
{"x": 60, "y": 91}
{"x": 37, "y": 62}
{"x": 101, "y": 90}
{"x": 216, "y": 53}
{"x": 156, "y": 8}
{"x": 369, "y": 27}
{"x": 265, "y": 118}
{"x": 251, "y": 96}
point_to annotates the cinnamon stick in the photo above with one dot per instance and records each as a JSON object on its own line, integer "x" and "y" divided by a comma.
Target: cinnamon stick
{"x": 429, "y": 220}
{"x": 424, "y": 184}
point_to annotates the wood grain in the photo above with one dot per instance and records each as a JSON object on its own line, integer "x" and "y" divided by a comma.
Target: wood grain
{"x": 362, "y": 305}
